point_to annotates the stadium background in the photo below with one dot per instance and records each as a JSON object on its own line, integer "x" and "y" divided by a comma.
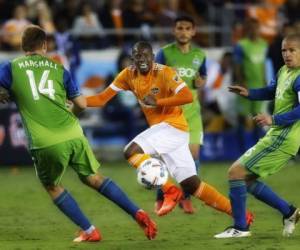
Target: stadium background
{"x": 91, "y": 38}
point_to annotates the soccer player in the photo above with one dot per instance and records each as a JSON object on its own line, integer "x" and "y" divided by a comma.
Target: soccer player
{"x": 40, "y": 87}
{"x": 160, "y": 91}
{"x": 189, "y": 62}
{"x": 274, "y": 150}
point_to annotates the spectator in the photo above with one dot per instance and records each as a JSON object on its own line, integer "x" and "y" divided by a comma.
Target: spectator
{"x": 88, "y": 29}
{"x": 13, "y": 28}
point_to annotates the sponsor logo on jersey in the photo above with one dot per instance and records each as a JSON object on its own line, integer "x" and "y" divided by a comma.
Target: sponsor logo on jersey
{"x": 154, "y": 90}
{"x": 186, "y": 72}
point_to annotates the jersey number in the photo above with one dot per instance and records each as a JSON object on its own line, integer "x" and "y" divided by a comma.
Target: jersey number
{"x": 43, "y": 89}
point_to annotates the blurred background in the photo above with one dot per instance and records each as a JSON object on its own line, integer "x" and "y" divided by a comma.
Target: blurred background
{"x": 93, "y": 40}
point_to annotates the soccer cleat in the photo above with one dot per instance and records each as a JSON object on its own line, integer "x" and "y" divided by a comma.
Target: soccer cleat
{"x": 187, "y": 206}
{"x": 146, "y": 224}
{"x": 232, "y": 232}
{"x": 157, "y": 206}
{"x": 94, "y": 236}
{"x": 289, "y": 224}
{"x": 249, "y": 218}
{"x": 171, "y": 197}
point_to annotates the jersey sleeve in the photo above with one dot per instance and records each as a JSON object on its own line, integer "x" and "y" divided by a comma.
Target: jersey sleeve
{"x": 160, "y": 57}
{"x": 121, "y": 81}
{"x": 175, "y": 83}
{"x": 5, "y": 75}
{"x": 202, "y": 69}
{"x": 238, "y": 54}
{"x": 71, "y": 87}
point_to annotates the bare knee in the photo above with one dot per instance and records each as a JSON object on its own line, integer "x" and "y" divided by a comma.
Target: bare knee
{"x": 54, "y": 191}
{"x": 237, "y": 172}
{"x": 191, "y": 184}
{"x": 132, "y": 149}
{"x": 93, "y": 181}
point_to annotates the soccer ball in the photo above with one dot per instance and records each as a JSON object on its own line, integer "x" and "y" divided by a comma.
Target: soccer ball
{"x": 152, "y": 173}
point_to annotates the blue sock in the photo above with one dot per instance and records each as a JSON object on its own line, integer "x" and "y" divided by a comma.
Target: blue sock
{"x": 112, "y": 192}
{"x": 238, "y": 196}
{"x": 265, "y": 194}
{"x": 70, "y": 208}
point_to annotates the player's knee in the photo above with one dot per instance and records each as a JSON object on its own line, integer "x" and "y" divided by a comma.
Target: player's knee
{"x": 94, "y": 181}
{"x": 132, "y": 149}
{"x": 191, "y": 184}
{"x": 237, "y": 172}
{"x": 54, "y": 191}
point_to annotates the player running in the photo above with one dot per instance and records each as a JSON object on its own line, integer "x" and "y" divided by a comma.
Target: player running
{"x": 160, "y": 92}
{"x": 40, "y": 88}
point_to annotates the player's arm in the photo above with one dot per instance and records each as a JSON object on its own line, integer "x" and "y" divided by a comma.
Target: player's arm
{"x": 201, "y": 76}
{"x": 119, "y": 84}
{"x": 5, "y": 81}
{"x": 101, "y": 98}
{"x": 260, "y": 94}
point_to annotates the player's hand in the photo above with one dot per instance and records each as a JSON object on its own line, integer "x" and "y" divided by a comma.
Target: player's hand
{"x": 242, "y": 91}
{"x": 199, "y": 82}
{"x": 4, "y": 95}
{"x": 263, "y": 119}
{"x": 150, "y": 100}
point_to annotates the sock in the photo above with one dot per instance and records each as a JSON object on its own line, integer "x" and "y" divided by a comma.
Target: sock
{"x": 70, "y": 208}
{"x": 112, "y": 192}
{"x": 159, "y": 195}
{"x": 167, "y": 185}
{"x": 136, "y": 159}
{"x": 90, "y": 229}
{"x": 265, "y": 194}
{"x": 238, "y": 196}
{"x": 211, "y": 197}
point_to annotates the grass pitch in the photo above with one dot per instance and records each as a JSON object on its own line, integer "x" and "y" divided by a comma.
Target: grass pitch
{"x": 29, "y": 220}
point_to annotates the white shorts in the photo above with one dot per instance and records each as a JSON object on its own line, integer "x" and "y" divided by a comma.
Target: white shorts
{"x": 172, "y": 145}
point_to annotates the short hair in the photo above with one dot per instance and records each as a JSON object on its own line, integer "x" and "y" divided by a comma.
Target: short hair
{"x": 33, "y": 38}
{"x": 293, "y": 37}
{"x": 142, "y": 45}
{"x": 185, "y": 18}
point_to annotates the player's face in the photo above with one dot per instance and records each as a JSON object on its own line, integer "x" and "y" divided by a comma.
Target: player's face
{"x": 184, "y": 32}
{"x": 142, "y": 59}
{"x": 291, "y": 53}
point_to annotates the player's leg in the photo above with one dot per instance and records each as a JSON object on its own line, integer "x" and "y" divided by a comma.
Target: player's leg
{"x": 50, "y": 164}
{"x": 155, "y": 141}
{"x": 267, "y": 163}
{"x": 183, "y": 170}
{"x": 86, "y": 165}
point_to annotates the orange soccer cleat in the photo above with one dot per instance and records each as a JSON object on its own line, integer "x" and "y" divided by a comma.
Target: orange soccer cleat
{"x": 94, "y": 236}
{"x": 187, "y": 206}
{"x": 171, "y": 197}
{"x": 249, "y": 218}
{"x": 157, "y": 206}
{"x": 146, "y": 224}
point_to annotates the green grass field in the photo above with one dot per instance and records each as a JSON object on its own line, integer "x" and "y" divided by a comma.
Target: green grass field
{"x": 29, "y": 220}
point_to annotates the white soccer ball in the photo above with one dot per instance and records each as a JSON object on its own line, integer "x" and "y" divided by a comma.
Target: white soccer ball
{"x": 152, "y": 173}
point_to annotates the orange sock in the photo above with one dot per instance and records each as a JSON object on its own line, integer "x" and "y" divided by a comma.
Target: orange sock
{"x": 136, "y": 159}
{"x": 167, "y": 185}
{"x": 213, "y": 198}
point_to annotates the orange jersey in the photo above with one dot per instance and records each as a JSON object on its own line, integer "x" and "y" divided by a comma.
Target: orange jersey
{"x": 162, "y": 82}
